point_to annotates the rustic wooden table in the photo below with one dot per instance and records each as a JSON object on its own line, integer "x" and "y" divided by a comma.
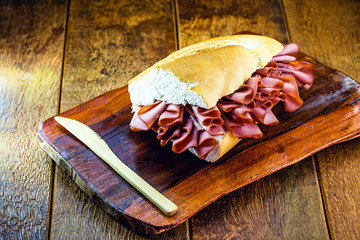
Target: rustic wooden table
{"x": 55, "y": 55}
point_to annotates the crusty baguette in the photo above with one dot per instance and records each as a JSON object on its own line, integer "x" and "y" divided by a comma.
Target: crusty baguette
{"x": 202, "y": 73}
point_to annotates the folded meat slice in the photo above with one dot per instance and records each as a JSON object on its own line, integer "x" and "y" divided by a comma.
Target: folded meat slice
{"x": 240, "y": 112}
{"x": 147, "y": 116}
{"x": 302, "y": 72}
{"x": 209, "y": 118}
{"x": 193, "y": 135}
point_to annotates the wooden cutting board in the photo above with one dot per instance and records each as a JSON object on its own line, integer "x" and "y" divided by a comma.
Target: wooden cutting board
{"x": 330, "y": 114}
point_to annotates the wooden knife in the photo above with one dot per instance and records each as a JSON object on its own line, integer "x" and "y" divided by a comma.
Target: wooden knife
{"x": 93, "y": 141}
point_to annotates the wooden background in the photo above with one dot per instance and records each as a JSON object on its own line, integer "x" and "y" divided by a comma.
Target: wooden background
{"x": 55, "y": 55}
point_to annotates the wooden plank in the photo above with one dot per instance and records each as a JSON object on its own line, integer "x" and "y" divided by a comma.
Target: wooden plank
{"x": 281, "y": 198}
{"x": 201, "y": 20}
{"x": 330, "y": 31}
{"x": 31, "y": 45}
{"x": 108, "y": 43}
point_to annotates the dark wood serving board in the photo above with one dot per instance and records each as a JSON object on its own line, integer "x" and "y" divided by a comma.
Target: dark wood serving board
{"x": 330, "y": 114}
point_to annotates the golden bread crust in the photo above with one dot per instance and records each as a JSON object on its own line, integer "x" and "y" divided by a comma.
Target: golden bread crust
{"x": 212, "y": 73}
{"x": 218, "y": 66}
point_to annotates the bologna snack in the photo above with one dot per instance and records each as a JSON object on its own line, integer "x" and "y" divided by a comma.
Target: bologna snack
{"x": 208, "y": 96}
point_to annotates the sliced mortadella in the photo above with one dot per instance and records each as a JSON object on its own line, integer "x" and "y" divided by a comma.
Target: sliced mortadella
{"x": 251, "y": 130}
{"x": 237, "y": 117}
{"x": 163, "y": 132}
{"x": 215, "y": 130}
{"x": 303, "y": 72}
{"x": 208, "y": 117}
{"x": 243, "y": 95}
{"x": 291, "y": 48}
{"x": 265, "y": 116}
{"x": 291, "y": 103}
{"x": 246, "y": 93}
{"x": 206, "y": 144}
{"x": 272, "y": 83}
{"x": 301, "y": 76}
{"x": 292, "y": 100}
{"x": 284, "y": 58}
{"x": 268, "y": 88}
{"x": 172, "y": 115}
{"x": 242, "y": 112}
{"x": 188, "y": 137}
{"x": 271, "y": 66}
{"x": 150, "y": 113}
{"x": 166, "y": 134}
{"x": 137, "y": 124}
{"x": 231, "y": 120}
{"x": 290, "y": 86}
{"x": 226, "y": 105}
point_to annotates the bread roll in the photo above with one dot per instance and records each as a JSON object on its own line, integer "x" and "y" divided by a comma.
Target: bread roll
{"x": 202, "y": 73}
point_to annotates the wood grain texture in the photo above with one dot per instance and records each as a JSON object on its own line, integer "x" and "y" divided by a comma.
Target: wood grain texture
{"x": 203, "y": 19}
{"x": 266, "y": 209}
{"x": 330, "y": 31}
{"x": 107, "y": 44}
{"x": 111, "y": 42}
{"x": 192, "y": 184}
{"x": 31, "y": 45}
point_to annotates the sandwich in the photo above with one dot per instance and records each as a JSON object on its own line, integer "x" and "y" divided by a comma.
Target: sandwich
{"x": 208, "y": 96}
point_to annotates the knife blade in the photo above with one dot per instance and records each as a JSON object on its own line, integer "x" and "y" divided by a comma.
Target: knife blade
{"x": 93, "y": 141}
